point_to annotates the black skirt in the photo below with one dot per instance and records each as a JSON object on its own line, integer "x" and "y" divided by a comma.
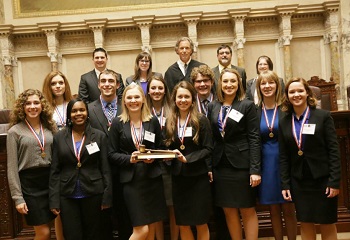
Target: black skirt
{"x": 192, "y": 199}
{"x": 145, "y": 201}
{"x": 35, "y": 190}
{"x": 232, "y": 187}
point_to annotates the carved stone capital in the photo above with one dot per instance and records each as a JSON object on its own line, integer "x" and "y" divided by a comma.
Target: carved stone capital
{"x": 238, "y": 43}
{"x": 7, "y": 60}
{"x": 55, "y": 57}
{"x": 96, "y": 24}
{"x": 49, "y": 27}
{"x": 285, "y": 40}
{"x": 146, "y": 48}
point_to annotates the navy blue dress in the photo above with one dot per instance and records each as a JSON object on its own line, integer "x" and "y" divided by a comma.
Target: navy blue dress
{"x": 270, "y": 191}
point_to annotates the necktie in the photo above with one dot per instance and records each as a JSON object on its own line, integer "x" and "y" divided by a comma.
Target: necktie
{"x": 110, "y": 113}
{"x": 205, "y": 103}
{"x": 185, "y": 66}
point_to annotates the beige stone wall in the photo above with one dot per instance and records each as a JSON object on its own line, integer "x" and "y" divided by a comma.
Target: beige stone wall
{"x": 252, "y": 27}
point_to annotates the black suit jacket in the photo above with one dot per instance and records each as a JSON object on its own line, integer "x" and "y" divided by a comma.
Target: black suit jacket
{"x": 174, "y": 74}
{"x": 240, "y": 70}
{"x": 94, "y": 173}
{"x": 88, "y": 87}
{"x": 130, "y": 78}
{"x": 241, "y": 142}
{"x": 251, "y": 86}
{"x": 321, "y": 150}
{"x": 198, "y": 156}
{"x": 121, "y": 146}
{"x": 97, "y": 118}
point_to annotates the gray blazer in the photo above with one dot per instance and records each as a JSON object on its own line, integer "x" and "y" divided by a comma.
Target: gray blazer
{"x": 240, "y": 70}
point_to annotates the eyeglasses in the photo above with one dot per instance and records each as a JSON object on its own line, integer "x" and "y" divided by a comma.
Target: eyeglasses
{"x": 144, "y": 61}
{"x": 224, "y": 52}
{"x": 207, "y": 80}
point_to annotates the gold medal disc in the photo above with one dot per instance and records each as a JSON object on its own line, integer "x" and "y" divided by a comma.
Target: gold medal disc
{"x": 182, "y": 147}
{"x": 78, "y": 165}
{"x": 271, "y": 135}
{"x": 43, "y": 154}
{"x": 300, "y": 153}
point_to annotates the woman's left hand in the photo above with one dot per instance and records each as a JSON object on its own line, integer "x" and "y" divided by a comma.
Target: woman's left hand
{"x": 150, "y": 160}
{"x": 255, "y": 180}
{"x": 331, "y": 192}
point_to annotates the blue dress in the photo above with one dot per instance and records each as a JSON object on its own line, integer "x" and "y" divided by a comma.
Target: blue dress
{"x": 270, "y": 187}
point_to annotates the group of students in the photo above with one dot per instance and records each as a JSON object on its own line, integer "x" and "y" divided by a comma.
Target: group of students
{"x": 229, "y": 151}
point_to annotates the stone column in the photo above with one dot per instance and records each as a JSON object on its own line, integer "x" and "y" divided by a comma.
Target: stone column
{"x": 191, "y": 20}
{"x": 238, "y": 17}
{"x": 52, "y": 35}
{"x": 98, "y": 28}
{"x": 285, "y": 36}
{"x": 145, "y": 24}
{"x": 331, "y": 38}
{"x": 7, "y": 53}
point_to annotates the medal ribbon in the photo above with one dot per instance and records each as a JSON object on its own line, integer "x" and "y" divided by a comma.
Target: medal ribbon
{"x": 137, "y": 140}
{"x": 40, "y": 143}
{"x": 182, "y": 136}
{"x": 62, "y": 117}
{"x": 161, "y": 118}
{"x": 222, "y": 122}
{"x": 199, "y": 104}
{"x": 77, "y": 153}
{"x": 299, "y": 140}
{"x": 106, "y": 113}
{"x": 269, "y": 126}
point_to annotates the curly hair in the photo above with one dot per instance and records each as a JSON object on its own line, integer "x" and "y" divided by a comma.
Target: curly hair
{"x": 171, "y": 121}
{"x": 310, "y": 100}
{"x": 18, "y": 115}
{"x": 205, "y": 71}
{"x": 47, "y": 90}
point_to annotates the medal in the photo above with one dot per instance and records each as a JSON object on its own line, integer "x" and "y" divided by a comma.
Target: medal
{"x": 43, "y": 154}
{"x": 41, "y": 141}
{"x": 77, "y": 151}
{"x": 137, "y": 139}
{"x": 300, "y": 153}
{"x": 222, "y": 133}
{"x": 78, "y": 165}
{"x": 182, "y": 147}
{"x": 298, "y": 138}
{"x": 181, "y": 134}
{"x": 270, "y": 125}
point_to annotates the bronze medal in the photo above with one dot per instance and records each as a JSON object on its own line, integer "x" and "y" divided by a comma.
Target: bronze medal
{"x": 271, "y": 135}
{"x": 222, "y": 133}
{"x": 300, "y": 153}
{"x": 182, "y": 147}
{"x": 43, "y": 154}
{"x": 78, "y": 165}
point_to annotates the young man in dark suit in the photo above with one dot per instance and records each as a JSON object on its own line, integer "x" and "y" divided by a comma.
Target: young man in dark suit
{"x": 181, "y": 70}
{"x": 88, "y": 89}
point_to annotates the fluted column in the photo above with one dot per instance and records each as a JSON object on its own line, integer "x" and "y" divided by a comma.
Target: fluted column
{"x": 98, "y": 28}
{"x": 238, "y": 17}
{"x": 331, "y": 38}
{"x": 285, "y": 36}
{"x": 191, "y": 20}
{"x": 7, "y": 53}
{"x": 145, "y": 24}
{"x": 52, "y": 35}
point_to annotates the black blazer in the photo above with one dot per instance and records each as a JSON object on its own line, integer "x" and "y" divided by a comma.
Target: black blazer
{"x": 129, "y": 79}
{"x": 251, "y": 86}
{"x": 94, "y": 173}
{"x": 88, "y": 87}
{"x": 97, "y": 118}
{"x": 241, "y": 142}
{"x": 240, "y": 70}
{"x": 121, "y": 146}
{"x": 174, "y": 74}
{"x": 321, "y": 150}
{"x": 198, "y": 156}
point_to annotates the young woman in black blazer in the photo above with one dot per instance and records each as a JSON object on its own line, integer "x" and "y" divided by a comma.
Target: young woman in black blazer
{"x": 188, "y": 132}
{"x": 236, "y": 155}
{"x": 269, "y": 112}
{"x": 80, "y": 178}
{"x": 310, "y": 161}
{"x": 141, "y": 180}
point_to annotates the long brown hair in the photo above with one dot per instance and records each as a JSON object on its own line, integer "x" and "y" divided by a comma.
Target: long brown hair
{"x": 18, "y": 115}
{"x": 137, "y": 70}
{"x": 240, "y": 95}
{"x": 310, "y": 100}
{"x": 171, "y": 122}
{"x": 166, "y": 98}
{"x": 47, "y": 91}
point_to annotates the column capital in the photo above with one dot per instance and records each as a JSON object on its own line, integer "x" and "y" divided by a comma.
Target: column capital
{"x": 96, "y": 24}
{"x": 49, "y": 27}
{"x": 6, "y": 30}
{"x": 285, "y": 40}
{"x": 332, "y": 6}
{"x": 238, "y": 43}
{"x": 192, "y": 17}
{"x": 145, "y": 24}
{"x": 286, "y": 10}
{"x": 142, "y": 21}
{"x": 238, "y": 14}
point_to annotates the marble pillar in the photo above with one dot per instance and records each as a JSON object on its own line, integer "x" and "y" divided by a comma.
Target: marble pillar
{"x": 8, "y": 85}
{"x": 288, "y": 73}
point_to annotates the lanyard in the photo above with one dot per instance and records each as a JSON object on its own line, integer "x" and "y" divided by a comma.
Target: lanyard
{"x": 182, "y": 135}
{"x": 41, "y": 143}
{"x": 137, "y": 140}
{"x": 199, "y": 104}
{"x": 222, "y": 122}
{"x": 62, "y": 117}
{"x": 270, "y": 126}
{"x": 77, "y": 152}
{"x": 299, "y": 139}
{"x": 161, "y": 118}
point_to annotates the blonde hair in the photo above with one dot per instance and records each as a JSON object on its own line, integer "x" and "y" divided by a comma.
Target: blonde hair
{"x": 269, "y": 75}
{"x": 145, "y": 112}
{"x": 240, "y": 92}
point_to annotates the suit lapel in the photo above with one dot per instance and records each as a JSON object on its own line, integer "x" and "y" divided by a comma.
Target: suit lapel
{"x": 127, "y": 132}
{"x": 97, "y": 110}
